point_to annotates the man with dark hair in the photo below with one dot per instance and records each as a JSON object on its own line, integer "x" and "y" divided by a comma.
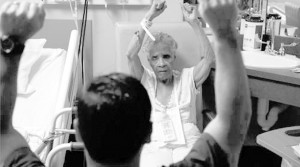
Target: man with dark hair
{"x": 19, "y": 21}
{"x": 114, "y": 119}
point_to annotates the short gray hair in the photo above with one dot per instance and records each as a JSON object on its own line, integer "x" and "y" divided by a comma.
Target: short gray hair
{"x": 160, "y": 37}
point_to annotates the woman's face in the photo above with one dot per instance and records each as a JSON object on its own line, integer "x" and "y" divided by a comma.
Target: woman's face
{"x": 161, "y": 58}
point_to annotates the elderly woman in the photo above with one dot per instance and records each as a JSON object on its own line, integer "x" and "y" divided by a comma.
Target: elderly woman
{"x": 172, "y": 93}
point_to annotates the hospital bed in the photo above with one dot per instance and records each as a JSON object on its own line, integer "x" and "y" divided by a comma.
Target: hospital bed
{"x": 47, "y": 84}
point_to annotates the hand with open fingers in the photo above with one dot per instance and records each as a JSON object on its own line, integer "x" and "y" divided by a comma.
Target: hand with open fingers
{"x": 219, "y": 14}
{"x": 21, "y": 19}
{"x": 190, "y": 12}
{"x": 157, "y": 8}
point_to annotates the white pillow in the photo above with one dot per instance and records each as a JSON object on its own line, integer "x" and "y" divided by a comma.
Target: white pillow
{"x": 31, "y": 53}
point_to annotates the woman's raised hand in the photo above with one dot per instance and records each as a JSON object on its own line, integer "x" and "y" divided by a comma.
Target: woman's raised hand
{"x": 190, "y": 12}
{"x": 157, "y": 8}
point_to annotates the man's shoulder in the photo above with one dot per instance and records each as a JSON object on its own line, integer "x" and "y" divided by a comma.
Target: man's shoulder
{"x": 23, "y": 157}
{"x": 205, "y": 153}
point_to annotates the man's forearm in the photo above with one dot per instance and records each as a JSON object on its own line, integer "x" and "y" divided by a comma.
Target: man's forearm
{"x": 231, "y": 86}
{"x": 231, "y": 83}
{"x": 8, "y": 89}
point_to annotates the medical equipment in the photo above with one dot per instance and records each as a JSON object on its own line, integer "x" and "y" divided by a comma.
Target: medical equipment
{"x": 55, "y": 133}
{"x": 76, "y": 146}
{"x": 63, "y": 133}
{"x": 82, "y": 37}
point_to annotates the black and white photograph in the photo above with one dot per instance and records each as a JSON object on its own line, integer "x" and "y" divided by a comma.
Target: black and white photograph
{"x": 150, "y": 83}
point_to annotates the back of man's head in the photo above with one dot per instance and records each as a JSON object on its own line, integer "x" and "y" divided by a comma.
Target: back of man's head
{"x": 114, "y": 118}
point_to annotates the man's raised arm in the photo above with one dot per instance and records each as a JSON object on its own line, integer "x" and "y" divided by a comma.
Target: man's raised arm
{"x": 18, "y": 22}
{"x": 233, "y": 104}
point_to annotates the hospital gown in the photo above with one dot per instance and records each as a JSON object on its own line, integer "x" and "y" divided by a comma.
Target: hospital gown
{"x": 184, "y": 97}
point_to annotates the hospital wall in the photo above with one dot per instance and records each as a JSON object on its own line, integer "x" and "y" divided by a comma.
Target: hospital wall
{"x": 103, "y": 27}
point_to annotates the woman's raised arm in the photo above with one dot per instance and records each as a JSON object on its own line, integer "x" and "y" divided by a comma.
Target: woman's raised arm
{"x": 134, "y": 62}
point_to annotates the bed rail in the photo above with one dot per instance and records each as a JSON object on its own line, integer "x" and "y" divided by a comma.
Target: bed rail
{"x": 55, "y": 133}
{"x": 67, "y": 94}
{"x": 60, "y": 113}
{"x": 73, "y": 146}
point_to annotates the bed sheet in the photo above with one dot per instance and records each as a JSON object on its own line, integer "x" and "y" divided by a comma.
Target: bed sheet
{"x": 33, "y": 113}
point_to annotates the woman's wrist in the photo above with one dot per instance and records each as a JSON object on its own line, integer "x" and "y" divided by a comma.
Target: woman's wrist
{"x": 149, "y": 17}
